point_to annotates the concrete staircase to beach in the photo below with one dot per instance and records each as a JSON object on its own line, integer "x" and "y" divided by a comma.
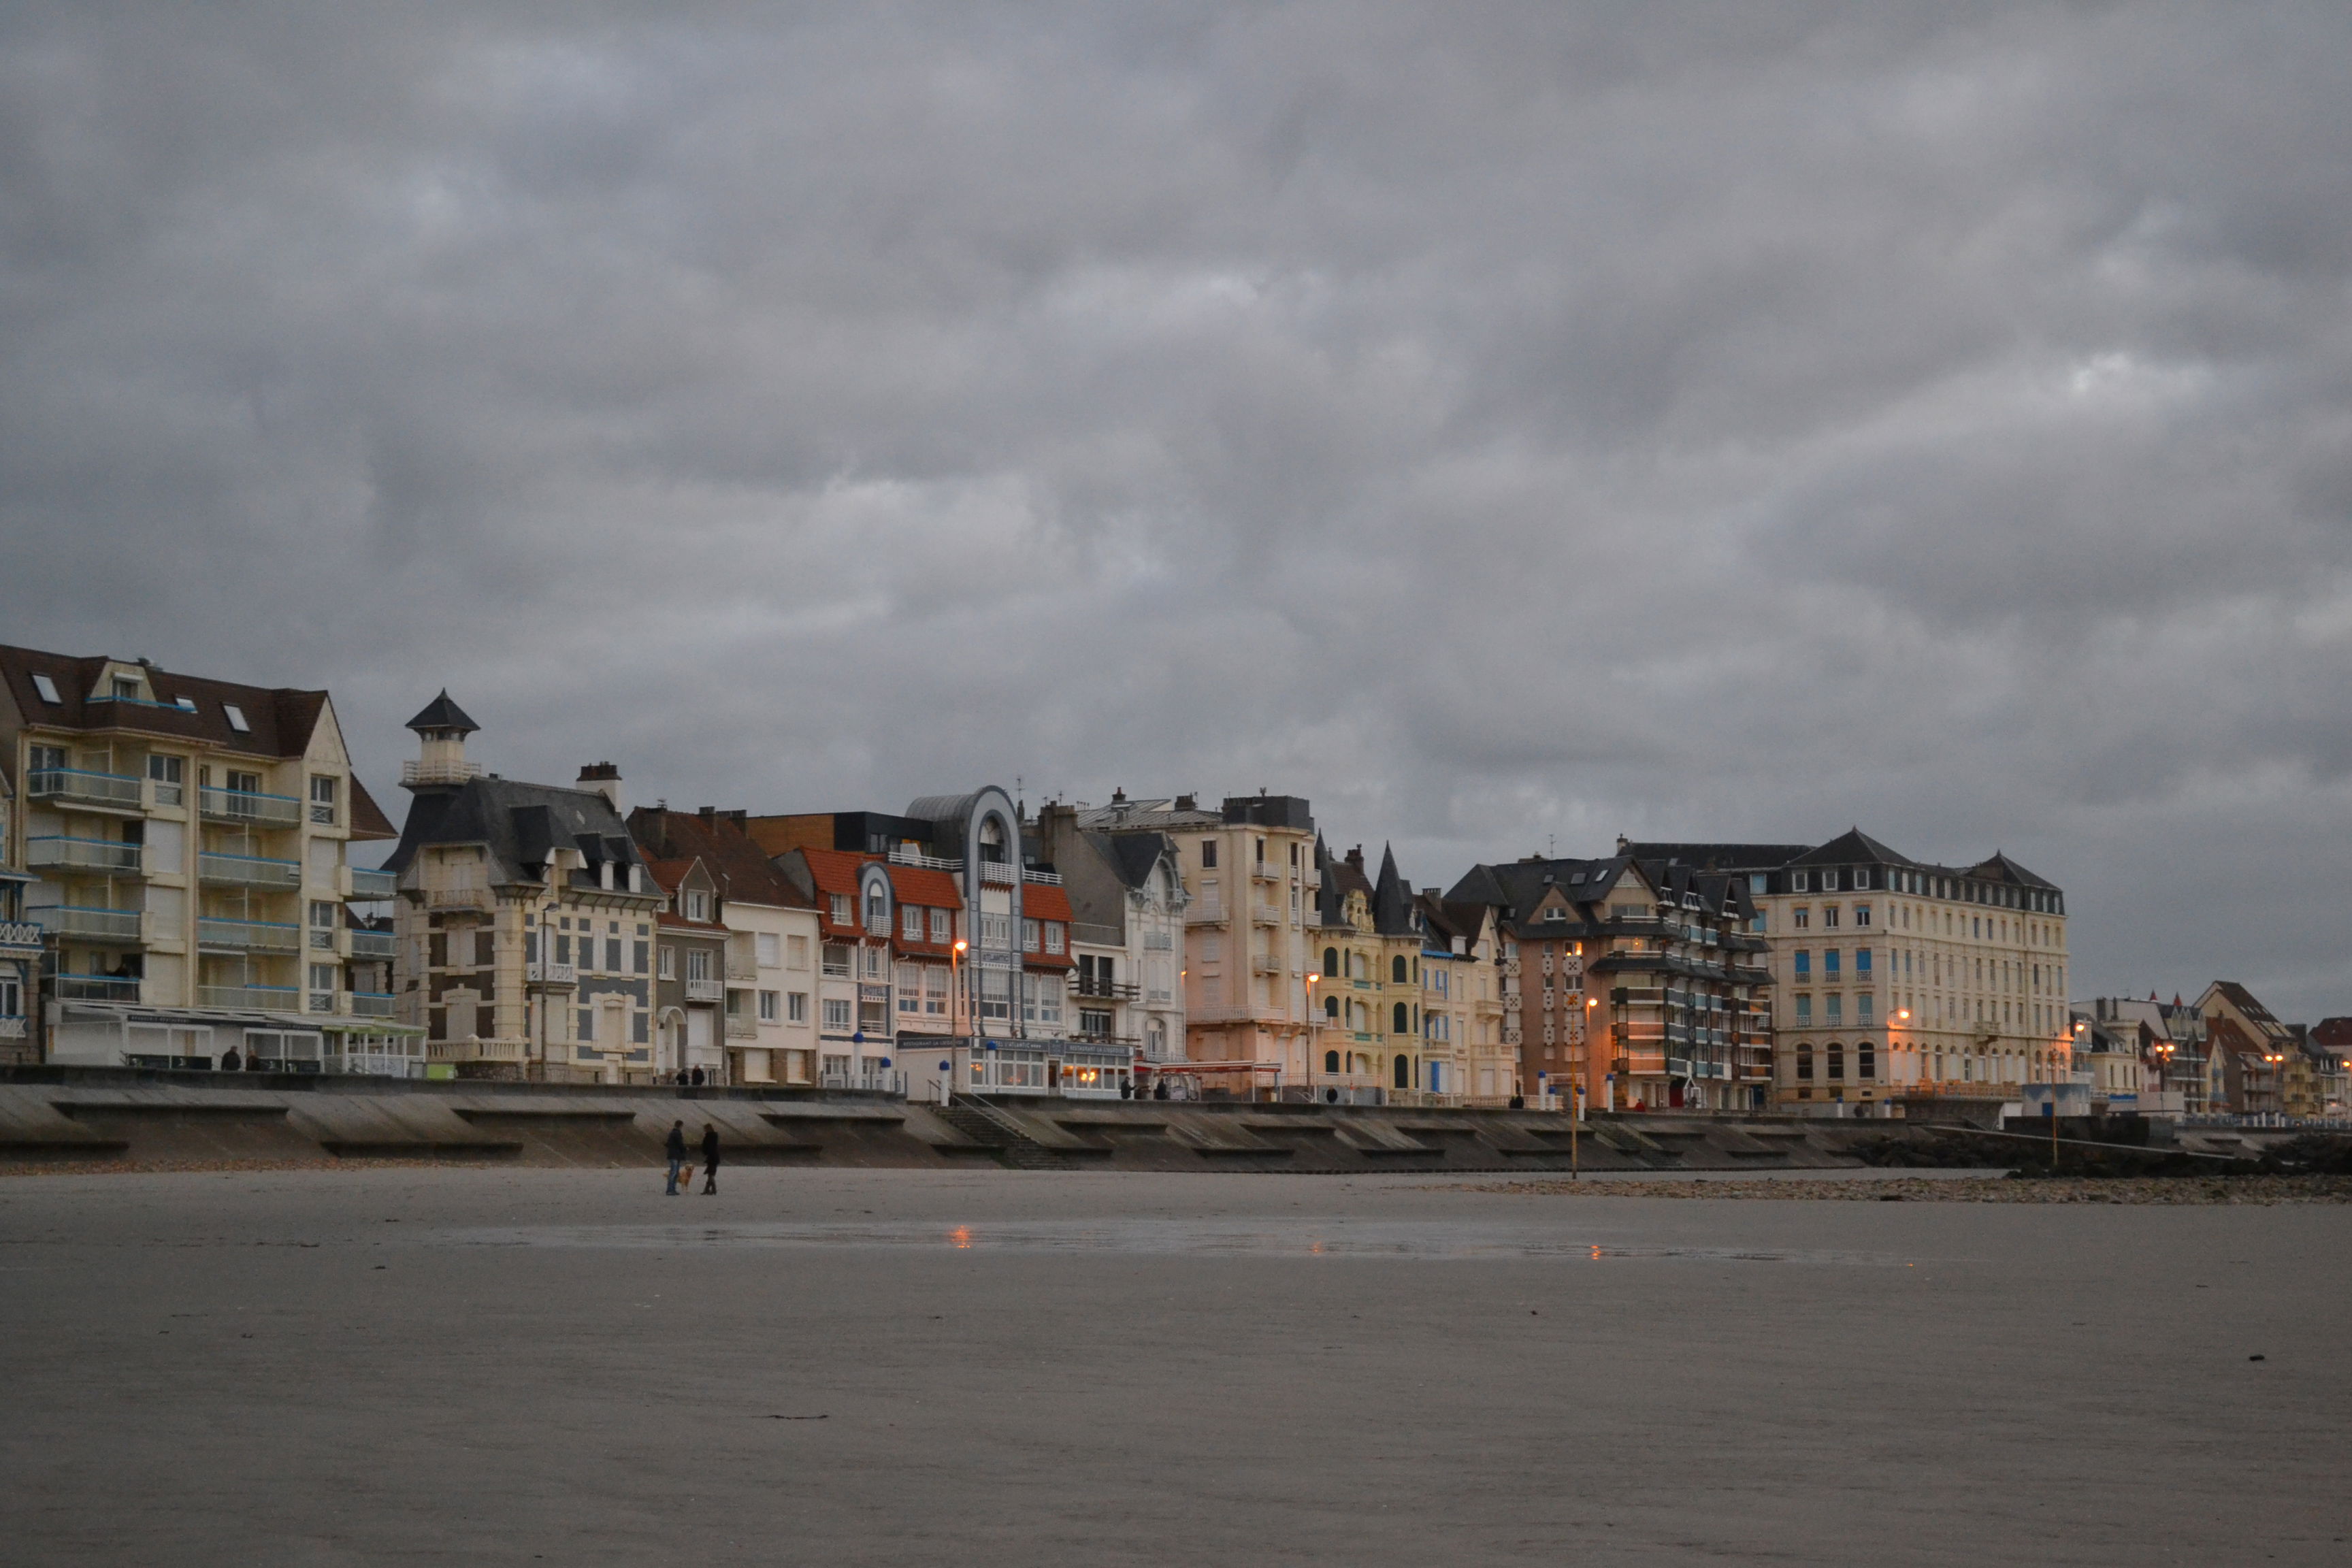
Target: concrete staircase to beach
{"x": 994, "y": 1131}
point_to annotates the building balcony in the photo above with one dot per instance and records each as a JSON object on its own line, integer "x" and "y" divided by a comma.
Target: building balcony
{"x": 1266, "y": 914}
{"x": 368, "y": 886}
{"x": 1265, "y": 964}
{"x": 998, "y": 871}
{"x": 98, "y": 856}
{"x": 706, "y": 989}
{"x": 550, "y": 976}
{"x": 249, "y": 806}
{"x": 476, "y": 1049}
{"x": 1205, "y": 912}
{"x": 370, "y": 1003}
{"x": 457, "y": 898}
{"x": 247, "y": 871}
{"x": 248, "y": 936}
{"x": 93, "y": 988}
{"x": 373, "y": 944}
{"x": 413, "y": 772}
{"x": 121, "y": 926}
{"x": 1103, "y": 990}
{"x": 89, "y": 791}
{"x": 742, "y": 1026}
{"x": 251, "y": 998}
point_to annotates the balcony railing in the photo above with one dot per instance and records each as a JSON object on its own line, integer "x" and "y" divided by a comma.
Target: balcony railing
{"x": 12, "y": 1027}
{"x": 248, "y": 806}
{"x": 250, "y": 936}
{"x": 56, "y": 851}
{"x": 742, "y": 1026}
{"x": 251, "y": 998}
{"x": 75, "y": 786}
{"x": 370, "y": 1003}
{"x": 706, "y": 989}
{"x": 998, "y": 872}
{"x": 249, "y": 870}
{"x": 94, "y": 987}
{"x": 416, "y": 773}
{"x": 368, "y": 885}
{"x": 1205, "y": 912}
{"x": 1045, "y": 879}
{"x": 1107, "y": 990}
{"x": 1266, "y": 914}
{"x": 1265, "y": 964}
{"x": 553, "y": 976}
{"x": 101, "y": 925}
{"x": 376, "y": 944}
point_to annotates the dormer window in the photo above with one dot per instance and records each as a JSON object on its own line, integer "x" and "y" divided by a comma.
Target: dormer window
{"x": 1555, "y": 914}
{"x": 123, "y": 689}
{"x": 1798, "y": 882}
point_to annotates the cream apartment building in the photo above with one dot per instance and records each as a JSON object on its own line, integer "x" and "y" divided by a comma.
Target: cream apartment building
{"x": 1899, "y": 977}
{"x": 186, "y": 842}
{"x": 1250, "y": 886}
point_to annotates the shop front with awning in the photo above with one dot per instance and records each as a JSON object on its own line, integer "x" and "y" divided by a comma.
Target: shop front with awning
{"x": 105, "y": 1034}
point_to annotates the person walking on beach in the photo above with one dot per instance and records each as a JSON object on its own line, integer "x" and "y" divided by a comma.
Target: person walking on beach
{"x": 676, "y": 1149}
{"x": 710, "y": 1160}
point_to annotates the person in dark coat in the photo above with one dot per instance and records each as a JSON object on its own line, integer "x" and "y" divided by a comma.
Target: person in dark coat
{"x": 697, "y": 1078}
{"x": 709, "y": 1159}
{"x": 231, "y": 1062}
{"x": 676, "y": 1149}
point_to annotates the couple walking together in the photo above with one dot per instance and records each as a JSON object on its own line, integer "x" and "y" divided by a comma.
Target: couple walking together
{"x": 677, "y": 1158}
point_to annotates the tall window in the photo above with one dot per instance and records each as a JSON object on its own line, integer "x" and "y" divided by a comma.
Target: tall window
{"x": 911, "y": 922}
{"x": 1805, "y": 1063}
{"x": 877, "y": 910}
{"x": 322, "y": 798}
{"x": 1330, "y": 964}
{"x": 1837, "y": 1063}
{"x": 1396, "y": 969}
{"x": 941, "y": 925}
{"x": 1399, "y": 1019}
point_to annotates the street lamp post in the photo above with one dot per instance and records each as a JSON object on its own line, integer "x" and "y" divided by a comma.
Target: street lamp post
{"x": 955, "y": 1017}
{"x": 1313, "y": 976}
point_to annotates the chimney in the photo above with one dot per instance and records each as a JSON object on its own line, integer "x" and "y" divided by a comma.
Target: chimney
{"x": 605, "y": 780}
{"x": 1356, "y": 856}
{"x": 1119, "y": 797}
{"x": 1624, "y": 845}
{"x": 1187, "y": 803}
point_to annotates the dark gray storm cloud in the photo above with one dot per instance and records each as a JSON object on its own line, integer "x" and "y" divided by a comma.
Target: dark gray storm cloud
{"x": 1507, "y": 425}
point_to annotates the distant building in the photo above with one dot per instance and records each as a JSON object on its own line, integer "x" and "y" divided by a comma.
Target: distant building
{"x": 525, "y": 927}
{"x": 2251, "y": 1051}
{"x": 1936, "y": 979}
{"x": 689, "y": 970}
{"x": 20, "y": 947}
{"x": 1634, "y": 979}
{"x": 767, "y": 1024}
{"x": 2172, "y": 1047}
{"x": 1250, "y": 885}
{"x": 187, "y": 844}
{"x": 1461, "y": 1002}
{"x": 1126, "y": 934}
{"x": 947, "y": 954}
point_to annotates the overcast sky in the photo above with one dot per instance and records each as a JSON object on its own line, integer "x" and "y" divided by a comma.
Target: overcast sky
{"x": 1507, "y": 426}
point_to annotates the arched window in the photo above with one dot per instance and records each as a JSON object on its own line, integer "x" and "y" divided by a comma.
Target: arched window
{"x": 1837, "y": 1063}
{"x": 1331, "y": 1008}
{"x": 1331, "y": 1061}
{"x": 1804, "y": 1064}
{"x": 1400, "y": 1076}
{"x": 1865, "y": 1060}
{"x": 1330, "y": 964}
{"x": 1401, "y": 1019}
{"x": 992, "y": 838}
{"x": 1396, "y": 969}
